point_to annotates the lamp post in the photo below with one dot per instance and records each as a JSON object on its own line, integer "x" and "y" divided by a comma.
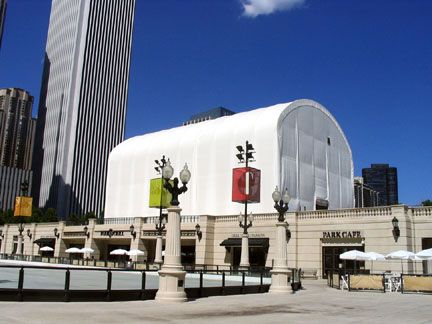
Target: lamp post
{"x": 172, "y": 276}
{"x": 245, "y": 155}
{"x": 162, "y": 220}
{"x": 280, "y": 272}
{"x": 24, "y": 190}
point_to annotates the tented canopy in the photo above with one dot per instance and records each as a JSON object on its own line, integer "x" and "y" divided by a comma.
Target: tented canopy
{"x": 298, "y": 145}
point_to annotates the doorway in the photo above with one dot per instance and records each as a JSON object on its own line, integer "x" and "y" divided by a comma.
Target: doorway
{"x": 332, "y": 263}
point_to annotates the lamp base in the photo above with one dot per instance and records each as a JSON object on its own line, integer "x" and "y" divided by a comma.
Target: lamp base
{"x": 171, "y": 286}
{"x": 279, "y": 281}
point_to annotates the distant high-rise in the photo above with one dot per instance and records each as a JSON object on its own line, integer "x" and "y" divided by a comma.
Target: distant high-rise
{"x": 3, "y": 5}
{"x": 17, "y": 128}
{"x": 209, "y": 114}
{"x": 382, "y": 178}
{"x": 82, "y": 102}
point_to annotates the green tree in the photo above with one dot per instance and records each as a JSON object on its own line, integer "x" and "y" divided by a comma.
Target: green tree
{"x": 427, "y": 202}
{"x": 74, "y": 219}
{"x": 50, "y": 215}
{"x": 37, "y": 215}
{"x": 89, "y": 215}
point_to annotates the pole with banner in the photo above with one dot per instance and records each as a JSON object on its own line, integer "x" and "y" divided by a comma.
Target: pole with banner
{"x": 23, "y": 208}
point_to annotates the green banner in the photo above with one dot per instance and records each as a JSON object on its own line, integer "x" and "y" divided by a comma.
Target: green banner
{"x": 159, "y": 196}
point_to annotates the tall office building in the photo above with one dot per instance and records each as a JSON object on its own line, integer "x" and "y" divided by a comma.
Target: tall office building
{"x": 382, "y": 178}
{"x": 17, "y": 128}
{"x": 3, "y": 5}
{"x": 82, "y": 102}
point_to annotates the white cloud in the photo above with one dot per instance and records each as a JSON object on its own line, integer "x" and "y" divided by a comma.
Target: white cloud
{"x": 253, "y": 8}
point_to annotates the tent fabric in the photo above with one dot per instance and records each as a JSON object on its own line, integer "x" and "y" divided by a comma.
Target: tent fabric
{"x": 299, "y": 146}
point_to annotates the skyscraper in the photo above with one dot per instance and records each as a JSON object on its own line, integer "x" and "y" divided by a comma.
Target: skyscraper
{"x": 3, "y": 5}
{"x": 17, "y": 128}
{"x": 82, "y": 102}
{"x": 382, "y": 178}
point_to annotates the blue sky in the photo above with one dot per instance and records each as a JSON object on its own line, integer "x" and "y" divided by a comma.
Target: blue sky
{"x": 368, "y": 62}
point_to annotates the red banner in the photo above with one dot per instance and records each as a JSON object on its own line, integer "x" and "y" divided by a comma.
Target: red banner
{"x": 246, "y": 185}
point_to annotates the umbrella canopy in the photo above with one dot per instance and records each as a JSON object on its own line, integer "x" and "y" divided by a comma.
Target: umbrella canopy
{"x": 424, "y": 254}
{"x": 401, "y": 255}
{"x": 118, "y": 252}
{"x": 354, "y": 255}
{"x": 86, "y": 250}
{"x": 373, "y": 256}
{"x": 135, "y": 252}
{"x": 73, "y": 250}
{"x": 46, "y": 249}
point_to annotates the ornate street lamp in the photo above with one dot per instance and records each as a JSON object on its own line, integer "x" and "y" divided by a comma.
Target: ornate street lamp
{"x": 56, "y": 233}
{"x": 280, "y": 271}
{"x": 172, "y": 276}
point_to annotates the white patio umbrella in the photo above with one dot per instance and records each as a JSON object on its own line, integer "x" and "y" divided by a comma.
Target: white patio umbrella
{"x": 354, "y": 255}
{"x": 73, "y": 250}
{"x": 401, "y": 255}
{"x": 86, "y": 250}
{"x": 425, "y": 254}
{"x": 118, "y": 252}
{"x": 46, "y": 249}
{"x": 135, "y": 252}
{"x": 374, "y": 256}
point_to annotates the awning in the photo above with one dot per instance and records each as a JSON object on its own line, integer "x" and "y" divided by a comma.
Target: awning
{"x": 253, "y": 242}
{"x": 45, "y": 241}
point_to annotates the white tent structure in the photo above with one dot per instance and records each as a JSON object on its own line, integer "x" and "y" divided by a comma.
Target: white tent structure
{"x": 299, "y": 146}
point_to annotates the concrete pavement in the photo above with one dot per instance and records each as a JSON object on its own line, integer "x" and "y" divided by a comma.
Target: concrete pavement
{"x": 316, "y": 303}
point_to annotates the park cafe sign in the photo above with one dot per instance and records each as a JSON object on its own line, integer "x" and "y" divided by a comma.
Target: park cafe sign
{"x": 342, "y": 234}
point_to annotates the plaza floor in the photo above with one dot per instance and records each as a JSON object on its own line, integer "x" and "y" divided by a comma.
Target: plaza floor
{"x": 317, "y": 303}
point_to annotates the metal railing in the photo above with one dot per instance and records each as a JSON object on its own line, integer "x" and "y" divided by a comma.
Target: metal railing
{"x": 109, "y": 294}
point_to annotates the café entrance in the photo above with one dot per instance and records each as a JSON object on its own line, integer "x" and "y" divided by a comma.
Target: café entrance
{"x": 332, "y": 263}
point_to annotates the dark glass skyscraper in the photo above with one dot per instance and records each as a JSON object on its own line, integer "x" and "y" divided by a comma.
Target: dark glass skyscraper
{"x": 382, "y": 178}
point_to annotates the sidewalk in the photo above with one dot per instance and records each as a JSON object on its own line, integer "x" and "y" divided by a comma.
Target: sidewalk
{"x": 317, "y": 303}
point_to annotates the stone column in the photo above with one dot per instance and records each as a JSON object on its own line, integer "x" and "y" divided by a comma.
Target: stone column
{"x": 172, "y": 276}
{"x": 244, "y": 258}
{"x": 158, "y": 252}
{"x": 19, "y": 247}
{"x": 4, "y": 239}
{"x": 280, "y": 272}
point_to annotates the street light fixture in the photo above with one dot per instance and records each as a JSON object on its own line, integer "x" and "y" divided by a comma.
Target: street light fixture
{"x": 396, "y": 230}
{"x": 56, "y": 233}
{"x": 281, "y": 203}
{"x": 174, "y": 189}
{"x": 280, "y": 271}
{"x": 86, "y": 232}
{"x": 132, "y": 231}
{"x": 198, "y": 231}
{"x": 172, "y": 276}
{"x": 29, "y": 234}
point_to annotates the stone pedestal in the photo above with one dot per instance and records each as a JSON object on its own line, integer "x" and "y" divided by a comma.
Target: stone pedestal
{"x": 280, "y": 272}
{"x": 158, "y": 252}
{"x": 172, "y": 276}
{"x": 244, "y": 258}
